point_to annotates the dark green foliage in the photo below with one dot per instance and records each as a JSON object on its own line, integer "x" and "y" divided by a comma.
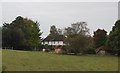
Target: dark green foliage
{"x": 0, "y": 37}
{"x": 114, "y": 38}
{"x": 89, "y": 50}
{"x": 77, "y": 43}
{"x": 46, "y": 46}
{"x": 22, "y": 33}
{"x": 53, "y": 30}
{"x": 77, "y": 37}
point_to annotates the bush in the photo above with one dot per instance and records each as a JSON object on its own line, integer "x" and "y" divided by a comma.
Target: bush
{"x": 89, "y": 51}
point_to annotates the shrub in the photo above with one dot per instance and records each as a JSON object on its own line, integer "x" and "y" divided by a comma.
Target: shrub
{"x": 89, "y": 51}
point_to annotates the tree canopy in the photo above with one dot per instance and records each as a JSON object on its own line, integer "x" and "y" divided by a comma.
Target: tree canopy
{"x": 114, "y": 38}
{"x": 77, "y": 37}
{"x": 0, "y": 37}
{"x": 53, "y": 30}
{"x": 77, "y": 28}
{"x": 21, "y": 33}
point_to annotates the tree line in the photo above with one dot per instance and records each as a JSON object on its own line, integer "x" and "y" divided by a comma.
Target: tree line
{"x": 24, "y": 34}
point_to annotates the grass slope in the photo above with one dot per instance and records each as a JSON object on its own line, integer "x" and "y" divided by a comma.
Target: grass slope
{"x": 40, "y": 61}
{"x": 0, "y": 60}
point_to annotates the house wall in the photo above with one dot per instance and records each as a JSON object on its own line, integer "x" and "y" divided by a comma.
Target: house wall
{"x": 57, "y": 42}
{"x": 61, "y": 43}
{"x": 53, "y": 43}
{"x": 45, "y": 43}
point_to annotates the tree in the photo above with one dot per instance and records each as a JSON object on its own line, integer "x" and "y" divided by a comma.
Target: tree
{"x": 0, "y": 37}
{"x": 100, "y": 38}
{"x": 77, "y": 37}
{"x": 22, "y": 33}
{"x": 77, "y": 28}
{"x": 6, "y": 31}
{"x": 114, "y": 38}
{"x": 60, "y": 32}
{"x": 53, "y": 30}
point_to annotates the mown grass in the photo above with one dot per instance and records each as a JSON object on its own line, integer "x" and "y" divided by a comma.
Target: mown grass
{"x": 41, "y": 61}
{"x": 0, "y": 60}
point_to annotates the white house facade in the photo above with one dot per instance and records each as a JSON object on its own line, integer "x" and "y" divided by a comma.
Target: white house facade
{"x": 53, "y": 43}
{"x": 54, "y": 40}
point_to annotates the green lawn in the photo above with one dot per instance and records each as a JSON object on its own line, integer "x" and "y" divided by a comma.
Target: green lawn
{"x": 41, "y": 61}
{"x": 0, "y": 60}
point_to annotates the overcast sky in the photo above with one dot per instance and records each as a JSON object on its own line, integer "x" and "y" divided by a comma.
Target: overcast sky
{"x": 62, "y": 14}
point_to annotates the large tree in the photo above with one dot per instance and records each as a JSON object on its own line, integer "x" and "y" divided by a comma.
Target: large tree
{"x": 77, "y": 28}
{"x": 21, "y": 33}
{"x": 0, "y": 37}
{"x": 77, "y": 37}
{"x": 114, "y": 38}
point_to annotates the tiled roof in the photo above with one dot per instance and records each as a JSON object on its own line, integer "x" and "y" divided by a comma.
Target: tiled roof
{"x": 54, "y": 38}
{"x": 100, "y": 48}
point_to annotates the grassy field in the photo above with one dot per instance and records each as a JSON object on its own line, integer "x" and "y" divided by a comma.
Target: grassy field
{"x": 41, "y": 61}
{"x": 0, "y": 60}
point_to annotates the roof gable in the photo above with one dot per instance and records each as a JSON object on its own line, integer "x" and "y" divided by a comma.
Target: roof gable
{"x": 54, "y": 38}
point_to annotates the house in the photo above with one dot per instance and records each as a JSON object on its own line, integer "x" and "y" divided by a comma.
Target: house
{"x": 99, "y": 32}
{"x": 58, "y": 49}
{"x": 52, "y": 41}
{"x": 101, "y": 50}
